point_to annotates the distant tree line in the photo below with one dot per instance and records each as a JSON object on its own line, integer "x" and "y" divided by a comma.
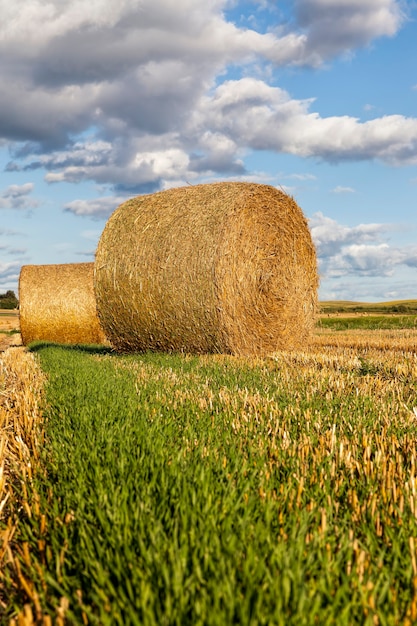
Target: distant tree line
{"x": 8, "y": 300}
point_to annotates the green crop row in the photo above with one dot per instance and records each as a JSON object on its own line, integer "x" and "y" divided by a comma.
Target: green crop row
{"x": 369, "y": 322}
{"x": 215, "y": 490}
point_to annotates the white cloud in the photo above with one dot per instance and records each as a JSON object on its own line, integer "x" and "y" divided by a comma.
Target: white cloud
{"x": 16, "y": 191}
{"x": 266, "y": 118}
{"x": 358, "y": 250}
{"x": 236, "y": 117}
{"x": 16, "y": 197}
{"x": 365, "y": 289}
{"x": 341, "y": 189}
{"x": 365, "y": 260}
{"x": 98, "y": 208}
{"x": 9, "y": 273}
{"x": 330, "y": 236}
{"x": 334, "y": 26}
{"x": 164, "y": 163}
{"x": 142, "y": 74}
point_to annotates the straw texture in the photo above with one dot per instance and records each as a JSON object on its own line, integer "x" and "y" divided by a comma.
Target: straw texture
{"x": 222, "y": 267}
{"x": 57, "y": 303}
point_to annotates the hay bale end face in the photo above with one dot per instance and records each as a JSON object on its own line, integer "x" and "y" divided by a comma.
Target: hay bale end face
{"x": 222, "y": 267}
{"x": 57, "y": 303}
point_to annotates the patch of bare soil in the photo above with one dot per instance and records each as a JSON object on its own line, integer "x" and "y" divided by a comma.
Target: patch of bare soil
{"x": 9, "y": 323}
{"x": 6, "y": 341}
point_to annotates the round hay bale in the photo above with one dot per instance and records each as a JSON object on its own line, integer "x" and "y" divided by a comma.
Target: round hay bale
{"x": 222, "y": 267}
{"x": 57, "y": 303}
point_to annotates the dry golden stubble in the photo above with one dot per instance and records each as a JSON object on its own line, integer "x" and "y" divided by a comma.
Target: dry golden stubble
{"x": 385, "y": 339}
{"x": 21, "y": 384}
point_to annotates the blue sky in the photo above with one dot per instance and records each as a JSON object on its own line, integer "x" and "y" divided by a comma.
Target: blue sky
{"x": 104, "y": 100}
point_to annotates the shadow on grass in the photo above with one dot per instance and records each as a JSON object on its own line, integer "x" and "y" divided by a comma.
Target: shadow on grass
{"x": 37, "y": 346}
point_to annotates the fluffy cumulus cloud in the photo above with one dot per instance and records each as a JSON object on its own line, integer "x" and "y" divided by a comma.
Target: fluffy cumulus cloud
{"x": 266, "y": 118}
{"x": 335, "y": 26}
{"x": 358, "y": 251}
{"x": 18, "y": 197}
{"x": 130, "y": 93}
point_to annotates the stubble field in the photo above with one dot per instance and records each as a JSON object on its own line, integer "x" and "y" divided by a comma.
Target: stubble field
{"x": 9, "y": 329}
{"x": 173, "y": 489}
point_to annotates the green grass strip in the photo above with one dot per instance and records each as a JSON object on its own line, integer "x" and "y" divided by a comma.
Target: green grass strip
{"x": 172, "y": 496}
{"x": 371, "y": 322}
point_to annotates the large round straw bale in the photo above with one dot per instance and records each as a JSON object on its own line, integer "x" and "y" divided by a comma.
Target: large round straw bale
{"x": 222, "y": 267}
{"x": 57, "y": 303}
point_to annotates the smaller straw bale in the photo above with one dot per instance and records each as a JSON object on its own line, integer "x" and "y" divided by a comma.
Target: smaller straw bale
{"x": 57, "y": 303}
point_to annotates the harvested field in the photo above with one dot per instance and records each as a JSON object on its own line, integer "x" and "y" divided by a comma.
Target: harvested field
{"x": 308, "y": 453}
{"x": 9, "y": 329}
{"x": 291, "y": 479}
{"x": 21, "y": 383}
